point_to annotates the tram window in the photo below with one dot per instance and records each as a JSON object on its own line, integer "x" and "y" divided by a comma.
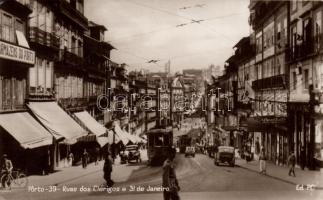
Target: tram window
{"x": 159, "y": 141}
{"x": 166, "y": 140}
{"x": 151, "y": 140}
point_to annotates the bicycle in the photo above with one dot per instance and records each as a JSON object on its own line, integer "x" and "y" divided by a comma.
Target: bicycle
{"x": 13, "y": 179}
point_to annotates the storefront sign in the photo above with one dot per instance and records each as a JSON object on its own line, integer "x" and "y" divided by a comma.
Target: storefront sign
{"x": 16, "y": 53}
{"x": 273, "y": 120}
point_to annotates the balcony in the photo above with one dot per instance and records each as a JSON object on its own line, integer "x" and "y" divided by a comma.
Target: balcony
{"x": 270, "y": 82}
{"x": 302, "y": 50}
{"x": 71, "y": 59}
{"x": 71, "y": 13}
{"x": 43, "y": 38}
{"x": 72, "y": 103}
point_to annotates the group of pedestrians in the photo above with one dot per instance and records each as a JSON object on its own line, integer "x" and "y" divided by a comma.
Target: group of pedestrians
{"x": 291, "y": 162}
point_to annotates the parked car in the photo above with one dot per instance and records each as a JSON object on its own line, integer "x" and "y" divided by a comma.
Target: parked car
{"x": 190, "y": 151}
{"x": 224, "y": 154}
{"x": 123, "y": 157}
{"x": 133, "y": 153}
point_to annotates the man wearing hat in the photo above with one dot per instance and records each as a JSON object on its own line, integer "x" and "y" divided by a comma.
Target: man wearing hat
{"x": 6, "y": 170}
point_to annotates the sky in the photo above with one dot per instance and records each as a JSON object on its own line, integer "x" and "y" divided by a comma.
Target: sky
{"x": 144, "y": 30}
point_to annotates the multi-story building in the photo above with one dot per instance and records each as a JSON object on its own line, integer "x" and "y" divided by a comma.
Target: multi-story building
{"x": 177, "y": 103}
{"x": 70, "y": 24}
{"x": 119, "y": 90}
{"x": 151, "y": 113}
{"x": 244, "y": 59}
{"x": 46, "y": 43}
{"x": 21, "y": 136}
{"x": 97, "y": 58}
{"x": 221, "y": 114}
{"x": 269, "y": 20}
{"x": 137, "y": 86}
{"x": 162, "y": 82}
{"x": 305, "y": 77}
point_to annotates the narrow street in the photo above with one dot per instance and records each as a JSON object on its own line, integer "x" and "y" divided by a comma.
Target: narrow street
{"x": 196, "y": 175}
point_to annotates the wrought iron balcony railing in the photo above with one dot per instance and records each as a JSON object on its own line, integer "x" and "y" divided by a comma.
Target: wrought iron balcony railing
{"x": 270, "y": 82}
{"x": 41, "y": 37}
{"x": 70, "y": 58}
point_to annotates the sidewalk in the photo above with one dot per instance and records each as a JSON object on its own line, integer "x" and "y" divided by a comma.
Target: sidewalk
{"x": 67, "y": 174}
{"x": 281, "y": 173}
{"x": 63, "y": 175}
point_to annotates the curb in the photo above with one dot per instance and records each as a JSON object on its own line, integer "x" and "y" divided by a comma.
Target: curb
{"x": 276, "y": 178}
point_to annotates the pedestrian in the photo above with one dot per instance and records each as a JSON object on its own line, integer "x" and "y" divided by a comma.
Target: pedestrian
{"x": 47, "y": 163}
{"x": 96, "y": 155}
{"x": 257, "y": 146}
{"x": 6, "y": 171}
{"x": 302, "y": 158}
{"x": 262, "y": 161}
{"x": 85, "y": 159}
{"x": 70, "y": 159}
{"x": 170, "y": 182}
{"x": 107, "y": 170}
{"x": 291, "y": 163}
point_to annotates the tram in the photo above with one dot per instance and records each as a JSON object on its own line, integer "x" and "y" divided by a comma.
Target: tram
{"x": 158, "y": 144}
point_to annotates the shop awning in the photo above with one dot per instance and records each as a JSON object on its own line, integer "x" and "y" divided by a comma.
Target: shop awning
{"x": 94, "y": 126}
{"x": 57, "y": 121}
{"x": 96, "y": 129}
{"x": 26, "y": 130}
{"x": 132, "y": 138}
{"x": 101, "y": 140}
{"x": 121, "y": 134}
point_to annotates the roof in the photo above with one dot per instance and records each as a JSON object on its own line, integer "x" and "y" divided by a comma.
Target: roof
{"x": 92, "y": 24}
{"x": 231, "y": 59}
{"x": 242, "y": 40}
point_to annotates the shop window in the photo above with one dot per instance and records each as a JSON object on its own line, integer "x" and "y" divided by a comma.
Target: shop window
{"x": 6, "y": 93}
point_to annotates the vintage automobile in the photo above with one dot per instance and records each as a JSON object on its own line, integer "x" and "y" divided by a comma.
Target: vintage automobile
{"x": 133, "y": 153}
{"x": 190, "y": 151}
{"x": 224, "y": 154}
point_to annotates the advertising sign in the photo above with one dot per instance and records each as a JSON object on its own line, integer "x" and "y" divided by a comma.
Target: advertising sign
{"x": 16, "y": 53}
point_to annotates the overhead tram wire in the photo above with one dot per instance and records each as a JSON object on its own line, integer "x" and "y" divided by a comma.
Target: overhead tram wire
{"x": 171, "y": 27}
{"x": 176, "y": 15}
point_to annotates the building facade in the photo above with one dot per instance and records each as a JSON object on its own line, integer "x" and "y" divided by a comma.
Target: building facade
{"x": 269, "y": 21}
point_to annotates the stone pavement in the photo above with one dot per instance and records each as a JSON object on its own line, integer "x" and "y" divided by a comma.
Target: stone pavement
{"x": 305, "y": 177}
